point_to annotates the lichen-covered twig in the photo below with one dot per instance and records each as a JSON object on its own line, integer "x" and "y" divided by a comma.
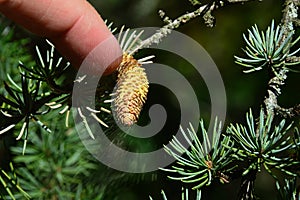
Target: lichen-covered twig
{"x": 289, "y": 112}
{"x": 274, "y": 90}
{"x": 293, "y": 59}
{"x": 289, "y": 17}
{"x": 173, "y": 24}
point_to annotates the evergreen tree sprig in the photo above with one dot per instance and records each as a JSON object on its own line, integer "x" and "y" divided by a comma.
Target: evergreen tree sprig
{"x": 289, "y": 190}
{"x": 205, "y": 161}
{"x": 265, "y": 144}
{"x": 10, "y": 183}
{"x": 49, "y": 69}
{"x": 184, "y": 195}
{"x": 267, "y": 50}
{"x": 23, "y": 104}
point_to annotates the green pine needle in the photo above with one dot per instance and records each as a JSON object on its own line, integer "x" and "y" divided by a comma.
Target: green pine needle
{"x": 267, "y": 143}
{"x": 269, "y": 49}
{"x": 204, "y": 161}
{"x": 184, "y": 195}
{"x": 289, "y": 190}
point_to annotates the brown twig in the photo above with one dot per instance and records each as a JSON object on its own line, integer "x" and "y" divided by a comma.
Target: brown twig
{"x": 173, "y": 24}
{"x": 277, "y": 80}
{"x": 289, "y": 112}
{"x": 274, "y": 90}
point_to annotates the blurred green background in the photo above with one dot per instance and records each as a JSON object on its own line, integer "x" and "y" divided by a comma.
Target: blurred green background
{"x": 222, "y": 42}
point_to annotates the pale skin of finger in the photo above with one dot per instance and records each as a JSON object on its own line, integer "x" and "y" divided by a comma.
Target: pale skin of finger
{"x": 74, "y": 27}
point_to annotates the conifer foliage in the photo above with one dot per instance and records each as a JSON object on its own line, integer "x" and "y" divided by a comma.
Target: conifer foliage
{"x": 36, "y": 98}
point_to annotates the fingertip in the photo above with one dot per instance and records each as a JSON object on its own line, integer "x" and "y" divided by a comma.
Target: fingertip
{"x": 104, "y": 58}
{"x": 74, "y": 27}
{"x": 113, "y": 66}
